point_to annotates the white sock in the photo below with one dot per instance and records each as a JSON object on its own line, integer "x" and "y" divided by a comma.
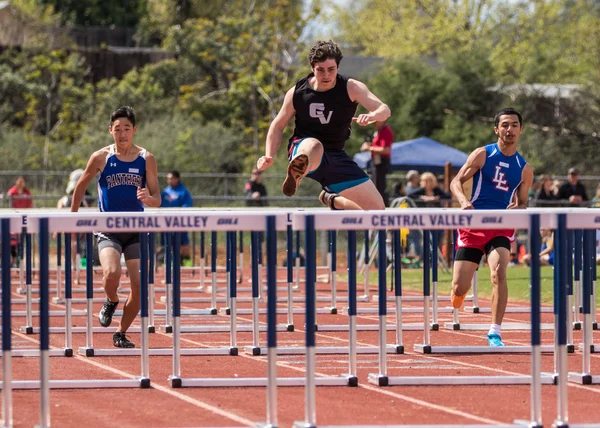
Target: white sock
{"x": 495, "y": 329}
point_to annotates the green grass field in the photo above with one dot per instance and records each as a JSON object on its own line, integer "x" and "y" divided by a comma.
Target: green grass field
{"x": 518, "y": 282}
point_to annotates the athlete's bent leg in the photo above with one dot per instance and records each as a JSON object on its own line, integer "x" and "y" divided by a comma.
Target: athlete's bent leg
{"x": 364, "y": 196}
{"x": 132, "y": 305}
{"x": 462, "y": 275}
{"x": 498, "y": 260}
{"x": 305, "y": 158}
{"x": 110, "y": 260}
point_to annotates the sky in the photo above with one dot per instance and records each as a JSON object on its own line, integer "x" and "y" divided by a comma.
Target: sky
{"x": 323, "y": 27}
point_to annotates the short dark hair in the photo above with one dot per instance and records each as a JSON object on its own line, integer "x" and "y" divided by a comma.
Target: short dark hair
{"x": 508, "y": 110}
{"x": 175, "y": 174}
{"x": 322, "y": 51}
{"x": 126, "y": 112}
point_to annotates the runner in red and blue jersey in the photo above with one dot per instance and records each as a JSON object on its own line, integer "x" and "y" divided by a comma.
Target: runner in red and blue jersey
{"x": 501, "y": 180}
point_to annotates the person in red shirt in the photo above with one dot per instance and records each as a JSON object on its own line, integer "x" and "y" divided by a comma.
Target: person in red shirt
{"x": 381, "y": 150}
{"x": 20, "y": 196}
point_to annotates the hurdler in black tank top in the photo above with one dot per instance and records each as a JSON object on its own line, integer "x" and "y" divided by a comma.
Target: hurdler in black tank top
{"x": 326, "y": 116}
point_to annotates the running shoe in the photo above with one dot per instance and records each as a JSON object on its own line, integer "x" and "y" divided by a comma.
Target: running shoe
{"x": 106, "y": 313}
{"x": 295, "y": 172}
{"x": 495, "y": 340}
{"x": 121, "y": 341}
{"x": 457, "y": 301}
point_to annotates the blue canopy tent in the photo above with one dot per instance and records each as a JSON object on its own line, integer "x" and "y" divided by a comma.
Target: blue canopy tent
{"x": 422, "y": 154}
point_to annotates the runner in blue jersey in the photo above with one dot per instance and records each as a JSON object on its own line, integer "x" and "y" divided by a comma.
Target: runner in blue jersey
{"x": 127, "y": 180}
{"x": 501, "y": 180}
{"x": 324, "y": 105}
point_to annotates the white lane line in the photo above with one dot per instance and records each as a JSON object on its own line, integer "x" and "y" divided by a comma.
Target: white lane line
{"x": 161, "y": 388}
{"x": 376, "y": 390}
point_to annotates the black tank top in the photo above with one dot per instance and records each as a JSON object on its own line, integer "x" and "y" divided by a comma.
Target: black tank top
{"x": 326, "y": 116}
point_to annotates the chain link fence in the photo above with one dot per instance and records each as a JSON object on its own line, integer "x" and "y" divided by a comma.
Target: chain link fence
{"x": 207, "y": 189}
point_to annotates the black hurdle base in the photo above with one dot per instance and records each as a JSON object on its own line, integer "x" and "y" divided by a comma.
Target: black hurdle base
{"x": 145, "y": 382}
{"x": 234, "y": 351}
{"x": 352, "y": 381}
{"x": 68, "y": 352}
{"x": 175, "y": 382}
{"x": 435, "y": 327}
{"x": 290, "y": 327}
{"x": 399, "y": 349}
{"x": 151, "y": 329}
{"x": 576, "y": 326}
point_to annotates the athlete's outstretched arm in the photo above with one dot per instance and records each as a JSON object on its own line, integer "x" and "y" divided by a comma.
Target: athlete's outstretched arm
{"x": 474, "y": 163}
{"x": 378, "y": 110}
{"x": 95, "y": 164}
{"x": 150, "y": 195}
{"x": 522, "y": 194}
{"x": 276, "y": 129}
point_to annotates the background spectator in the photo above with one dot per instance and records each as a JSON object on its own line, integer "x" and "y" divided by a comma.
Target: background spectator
{"x": 572, "y": 190}
{"x": 544, "y": 196}
{"x": 381, "y": 150}
{"x": 399, "y": 190}
{"x": 412, "y": 181}
{"x": 65, "y": 201}
{"x": 176, "y": 195}
{"x": 555, "y": 186}
{"x": 546, "y": 254}
{"x": 256, "y": 192}
{"x": 535, "y": 186}
{"x": 429, "y": 194}
{"x": 596, "y": 199}
{"x": 20, "y": 196}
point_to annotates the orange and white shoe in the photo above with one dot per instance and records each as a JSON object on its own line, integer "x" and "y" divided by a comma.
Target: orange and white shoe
{"x": 295, "y": 173}
{"x": 457, "y": 301}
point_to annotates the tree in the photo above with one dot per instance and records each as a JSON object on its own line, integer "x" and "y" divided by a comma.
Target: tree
{"x": 528, "y": 41}
{"x": 116, "y": 13}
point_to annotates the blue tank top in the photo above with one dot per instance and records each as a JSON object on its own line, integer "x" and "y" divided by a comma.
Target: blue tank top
{"x": 118, "y": 183}
{"x": 495, "y": 184}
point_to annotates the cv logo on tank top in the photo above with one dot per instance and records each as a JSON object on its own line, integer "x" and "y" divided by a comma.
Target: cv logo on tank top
{"x": 501, "y": 182}
{"x": 317, "y": 110}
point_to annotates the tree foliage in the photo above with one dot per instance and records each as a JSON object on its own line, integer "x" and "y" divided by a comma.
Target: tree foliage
{"x": 116, "y": 13}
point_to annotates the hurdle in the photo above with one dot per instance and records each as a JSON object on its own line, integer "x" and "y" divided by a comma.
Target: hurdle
{"x": 427, "y": 348}
{"x": 43, "y": 225}
{"x": 585, "y": 377}
{"x": 381, "y": 221}
{"x": 398, "y": 310}
{"x": 252, "y": 222}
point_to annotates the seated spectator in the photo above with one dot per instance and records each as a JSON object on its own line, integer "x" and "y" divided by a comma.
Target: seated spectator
{"x": 596, "y": 199}
{"x": 544, "y": 197}
{"x": 399, "y": 191}
{"x": 429, "y": 194}
{"x": 19, "y": 194}
{"x": 255, "y": 190}
{"x": 412, "y": 181}
{"x": 546, "y": 254}
{"x": 572, "y": 191}
{"x": 535, "y": 186}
